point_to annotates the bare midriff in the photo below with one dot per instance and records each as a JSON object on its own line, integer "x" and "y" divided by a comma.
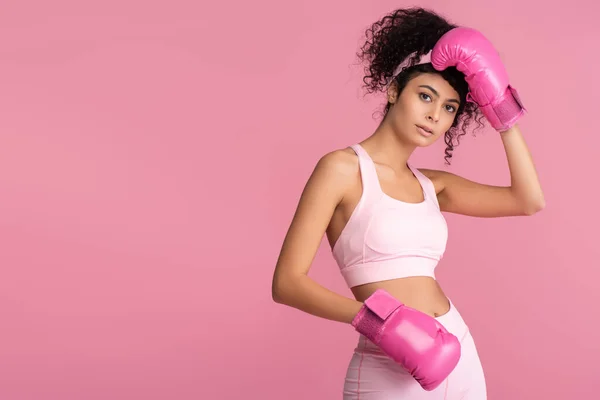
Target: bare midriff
{"x": 422, "y": 293}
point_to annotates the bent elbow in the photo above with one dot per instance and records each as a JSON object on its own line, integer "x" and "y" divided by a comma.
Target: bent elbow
{"x": 275, "y": 295}
{"x": 535, "y": 207}
{"x": 284, "y": 288}
{"x": 278, "y": 290}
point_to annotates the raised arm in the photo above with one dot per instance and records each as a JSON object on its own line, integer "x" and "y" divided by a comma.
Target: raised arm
{"x": 473, "y": 54}
{"x": 524, "y": 196}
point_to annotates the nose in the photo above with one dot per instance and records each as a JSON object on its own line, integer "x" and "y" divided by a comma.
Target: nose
{"x": 434, "y": 114}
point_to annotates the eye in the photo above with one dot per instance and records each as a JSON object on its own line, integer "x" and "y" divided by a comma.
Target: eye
{"x": 425, "y": 96}
{"x": 451, "y": 109}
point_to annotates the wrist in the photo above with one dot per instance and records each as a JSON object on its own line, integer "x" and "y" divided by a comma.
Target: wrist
{"x": 367, "y": 323}
{"x": 508, "y": 133}
{"x": 358, "y": 315}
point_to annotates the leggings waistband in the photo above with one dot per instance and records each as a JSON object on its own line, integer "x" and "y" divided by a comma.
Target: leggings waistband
{"x": 453, "y": 322}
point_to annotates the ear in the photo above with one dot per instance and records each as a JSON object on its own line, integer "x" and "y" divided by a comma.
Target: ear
{"x": 392, "y": 92}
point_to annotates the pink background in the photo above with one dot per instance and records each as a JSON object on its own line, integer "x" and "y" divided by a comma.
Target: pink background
{"x": 151, "y": 158}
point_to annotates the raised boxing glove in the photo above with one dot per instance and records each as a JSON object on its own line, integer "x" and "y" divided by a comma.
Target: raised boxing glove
{"x": 472, "y": 54}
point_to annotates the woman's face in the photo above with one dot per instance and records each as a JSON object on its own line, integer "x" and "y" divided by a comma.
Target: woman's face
{"x": 425, "y": 110}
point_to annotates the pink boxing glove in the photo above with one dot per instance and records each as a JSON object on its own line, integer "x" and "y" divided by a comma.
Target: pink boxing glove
{"x": 473, "y": 55}
{"x": 411, "y": 338}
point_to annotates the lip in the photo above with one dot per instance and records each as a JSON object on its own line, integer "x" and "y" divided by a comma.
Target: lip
{"x": 424, "y": 131}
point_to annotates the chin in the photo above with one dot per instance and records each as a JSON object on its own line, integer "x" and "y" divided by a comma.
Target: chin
{"x": 421, "y": 141}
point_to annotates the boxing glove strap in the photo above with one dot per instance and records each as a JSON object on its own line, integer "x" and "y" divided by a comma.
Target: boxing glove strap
{"x": 506, "y": 111}
{"x": 371, "y": 317}
{"x": 382, "y": 303}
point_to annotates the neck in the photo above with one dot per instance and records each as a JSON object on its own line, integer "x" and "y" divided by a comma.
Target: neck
{"x": 385, "y": 147}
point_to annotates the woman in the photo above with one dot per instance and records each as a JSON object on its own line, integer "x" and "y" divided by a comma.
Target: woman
{"x": 382, "y": 216}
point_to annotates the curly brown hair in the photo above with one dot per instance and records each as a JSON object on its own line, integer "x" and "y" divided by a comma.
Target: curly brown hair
{"x": 408, "y": 34}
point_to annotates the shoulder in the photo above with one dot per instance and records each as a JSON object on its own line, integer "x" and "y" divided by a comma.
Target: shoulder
{"x": 341, "y": 163}
{"x": 335, "y": 171}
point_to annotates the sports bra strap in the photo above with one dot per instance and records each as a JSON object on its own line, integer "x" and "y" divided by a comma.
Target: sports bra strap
{"x": 371, "y": 187}
{"x": 427, "y": 185}
{"x": 368, "y": 173}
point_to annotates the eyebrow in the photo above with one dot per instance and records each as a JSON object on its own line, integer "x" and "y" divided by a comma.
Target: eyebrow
{"x": 437, "y": 94}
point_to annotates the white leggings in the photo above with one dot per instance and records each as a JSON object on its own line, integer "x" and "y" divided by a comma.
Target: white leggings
{"x": 372, "y": 375}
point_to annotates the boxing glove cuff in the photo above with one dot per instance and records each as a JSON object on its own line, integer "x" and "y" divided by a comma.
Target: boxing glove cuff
{"x": 504, "y": 112}
{"x": 375, "y": 310}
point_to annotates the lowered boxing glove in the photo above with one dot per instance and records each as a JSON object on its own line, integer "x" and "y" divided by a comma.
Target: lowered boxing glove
{"x": 410, "y": 337}
{"x": 472, "y": 54}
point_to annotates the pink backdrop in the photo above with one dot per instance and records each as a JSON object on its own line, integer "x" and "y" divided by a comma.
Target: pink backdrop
{"x": 151, "y": 158}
